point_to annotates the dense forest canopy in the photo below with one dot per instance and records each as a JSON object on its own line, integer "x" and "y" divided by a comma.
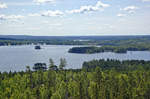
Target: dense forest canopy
{"x": 96, "y": 83}
{"x": 109, "y": 48}
{"x": 116, "y": 64}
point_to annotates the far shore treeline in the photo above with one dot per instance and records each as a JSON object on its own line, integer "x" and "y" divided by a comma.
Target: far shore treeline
{"x": 117, "y": 44}
{"x": 74, "y": 40}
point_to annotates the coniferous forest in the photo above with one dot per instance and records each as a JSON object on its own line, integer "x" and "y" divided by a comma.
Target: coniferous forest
{"x": 55, "y": 82}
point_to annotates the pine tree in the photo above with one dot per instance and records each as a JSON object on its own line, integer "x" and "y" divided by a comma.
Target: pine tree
{"x": 51, "y": 63}
{"x": 63, "y": 63}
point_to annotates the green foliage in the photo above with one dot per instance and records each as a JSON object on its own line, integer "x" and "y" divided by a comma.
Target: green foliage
{"x": 75, "y": 84}
{"x": 39, "y": 66}
{"x": 99, "y": 79}
{"x": 88, "y": 50}
{"x": 52, "y": 66}
{"x": 63, "y": 63}
{"x": 126, "y": 65}
{"x": 51, "y": 63}
{"x": 109, "y": 48}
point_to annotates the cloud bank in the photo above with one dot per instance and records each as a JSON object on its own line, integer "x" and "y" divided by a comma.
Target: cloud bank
{"x": 130, "y": 9}
{"x": 50, "y": 13}
{"x": 99, "y": 6}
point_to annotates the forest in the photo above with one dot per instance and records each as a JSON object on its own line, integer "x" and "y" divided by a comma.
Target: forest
{"x": 75, "y": 40}
{"x": 109, "y": 48}
{"x": 116, "y": 46}
{"x": 93, "y": 83}
{"x": 125, "y": 65}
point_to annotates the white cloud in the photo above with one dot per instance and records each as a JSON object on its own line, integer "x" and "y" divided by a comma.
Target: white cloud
{"x": 43, "y": 1}
{"x": 99, "y": 6}
{"x": 2, "y": 17}
{"x": 121, "y": 15}
{"x": 5, "y": 17}
{"x": 127, "y": 11}
{"x": 83, "y": 9}
{"x": 15, "y": 17}
{"x": 48, "y": 13}
{"x": 51, "y": 13}
{"x": 130, "y": 9}
{"x": 3, "y": 5}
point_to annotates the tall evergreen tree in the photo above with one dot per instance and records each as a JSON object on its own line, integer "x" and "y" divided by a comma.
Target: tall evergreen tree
{"x": 63, "y": 63}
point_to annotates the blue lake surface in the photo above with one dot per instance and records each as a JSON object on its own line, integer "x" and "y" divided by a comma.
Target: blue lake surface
{"x": 16, "y": 58}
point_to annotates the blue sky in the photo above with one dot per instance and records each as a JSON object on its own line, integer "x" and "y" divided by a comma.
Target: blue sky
{"x": 74, "y": 17}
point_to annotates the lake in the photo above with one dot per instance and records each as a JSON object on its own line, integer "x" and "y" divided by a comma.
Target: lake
{"x": 16, "y": 58}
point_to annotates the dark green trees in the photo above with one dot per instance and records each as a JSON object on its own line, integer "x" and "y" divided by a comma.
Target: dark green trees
{"x": 96, "y": 84}
{"x": 39, "y": 66}
{"x": 116, "y": 64}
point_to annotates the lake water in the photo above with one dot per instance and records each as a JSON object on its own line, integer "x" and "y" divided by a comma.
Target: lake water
{"x": 16, "y": 58}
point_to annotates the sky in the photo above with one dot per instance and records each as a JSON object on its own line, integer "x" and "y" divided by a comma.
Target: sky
{"x": 74, "y": 17}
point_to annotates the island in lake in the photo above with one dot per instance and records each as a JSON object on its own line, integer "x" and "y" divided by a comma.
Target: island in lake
{"x": 37, "y": 47}
{"x": 115, "y": 49}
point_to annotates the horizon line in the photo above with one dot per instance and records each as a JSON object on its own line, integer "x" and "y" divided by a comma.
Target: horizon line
{"x": 74, "y": 35}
